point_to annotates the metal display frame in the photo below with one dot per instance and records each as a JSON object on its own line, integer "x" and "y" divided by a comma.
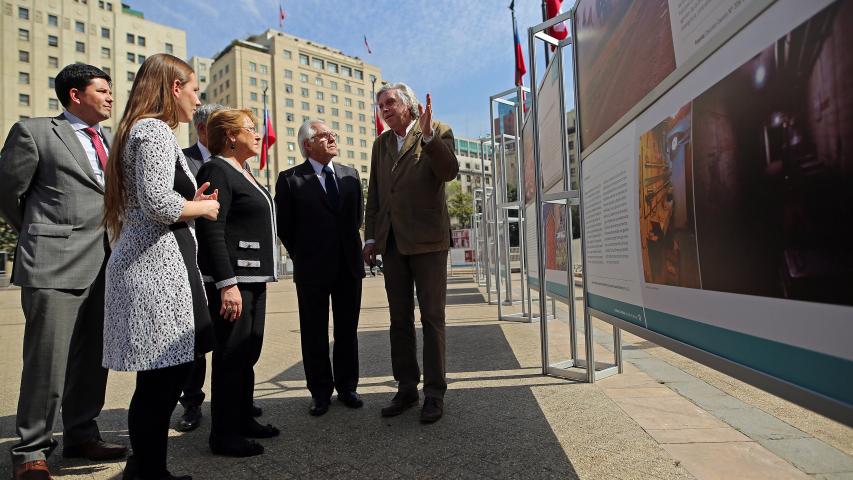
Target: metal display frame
{"x": 590, "y": 370}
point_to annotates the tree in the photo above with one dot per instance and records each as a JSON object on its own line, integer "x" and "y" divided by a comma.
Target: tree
{"x": 8, "y": 239}
{"x": 459, "y": 204}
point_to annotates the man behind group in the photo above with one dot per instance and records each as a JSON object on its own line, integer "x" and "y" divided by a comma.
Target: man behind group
{"x": 406, "y": 221}
{"x": 319, "y": 210}
{"x": 192, "y": 398}
{"x": 52, "y": 193}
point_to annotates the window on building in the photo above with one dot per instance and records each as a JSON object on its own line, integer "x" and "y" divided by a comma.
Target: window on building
{"x": 105, "y": 32}
{"x": 140, "y": 40}
{"x": 347, "y": 102}
{"x": 350, "y": 154}
{"x": 51, "y": 82}
{"x": 363, "y": 156}
{"x": 321, "y": 109}
{"x": 348, "y": 127}
{"x": 255, "y": 111}
{"x": 79, "y": 26}
{"x": 348, "y": 114}
{"x": 288, "y": 102}
{"x": 334, "y": 98}
{"x": 332, "y": 67}
{"x": 291, "y": 146}
{"x": 290, "y": 131}
{"x": 131, "y": 57}
{"x": 335, "y": 112}
{"x": 23, "y": 100}
{"x": 23, "y": 13}
{"x": 131, "y": 38}
{"x": 364, "y": 169}
{"x": 303, "y": 59}
{"x": 226, "y": 68}
{"x": 318, "y": 63}
{"x": 53, "y": 62}
{"x": 109, "y": 9}
{"x": 131, "y": 76}
{"x": 23, "y": 56}
{"x": 227, "y": 83}
{"x": 350, "y": 141}
{"x": 23, "y": 78}
{"x": 171, "y": 49}
{"x": 288, "y": 88}
{"x": 291, "y": 160}
{"x": 361, "y": 117}
{"x": 336, "y": 125}
{"x": 140, "y": 59}
{"x": 346, "y": 71}
{"x": 333, "y": 85}
{"x": 362, "y": 130}
{"x": 287, "y": 54}
{"x": 264, "y": 70}
{"x": 253, "y": 67}
{"x": 24, "y": 34}
{"x": 253, "y": 96}
{"x": 318, "y": 81}
{"x": 53, "y": 104}
{"x": 288, "y": 74}
{"x": 360, "y": 92}
{"x": 304, "y": 92}
{"x": 358, "y": 74}
{"x": 288, "y": 117}
{"x": 106, "y": 70}
{"x": 52, "y": 21}
{"x": 347, "y": 88}
{"x": 361, "y": 105}
{"x": 303, "y": 77}
{"x": 52, "y": 41}
{"x": 319, "y": 95}
{"x": 306, "y": 106}
{"x": 362, "y": 143}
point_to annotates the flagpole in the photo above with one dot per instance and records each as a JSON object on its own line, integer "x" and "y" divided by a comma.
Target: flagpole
{"x": 373, "y": 92}
{"x": 266, "y": 136}
{"x": 545, "y": 44}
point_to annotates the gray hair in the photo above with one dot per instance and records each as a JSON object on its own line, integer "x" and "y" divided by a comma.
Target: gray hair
{"x": 306, "y": 131}
{"x": 405, "y": 94}
{"x": 204, "y": 112}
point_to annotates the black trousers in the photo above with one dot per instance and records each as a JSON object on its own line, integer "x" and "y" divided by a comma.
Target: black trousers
{"x": 151, "y": 408}
{"x": 342, "y": 373}
{"x": 237, "y": 349}
{"x": 193, "y": 395}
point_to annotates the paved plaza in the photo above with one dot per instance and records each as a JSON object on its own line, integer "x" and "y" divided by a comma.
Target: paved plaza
{"x": 665, "y": 417}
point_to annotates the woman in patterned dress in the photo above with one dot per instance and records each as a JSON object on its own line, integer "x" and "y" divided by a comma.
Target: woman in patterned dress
{"x": 155, "y": 314}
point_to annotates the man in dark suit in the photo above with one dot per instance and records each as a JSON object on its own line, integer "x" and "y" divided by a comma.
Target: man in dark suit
{"x": 406, "y": 221}
{"x": 319, "y": 212}
{"x": 52, "y": 193}
{"x": 193, "y": 396}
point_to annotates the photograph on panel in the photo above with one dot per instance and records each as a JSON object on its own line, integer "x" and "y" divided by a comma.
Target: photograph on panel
{"x": 667, "y": 226}
{"x": 625, "y": 50}
{"x": 773, "y": 151}
{"x": 556, "y": 241}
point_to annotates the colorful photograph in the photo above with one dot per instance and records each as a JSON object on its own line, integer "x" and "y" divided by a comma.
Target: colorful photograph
{"x": 773, "y": 168}
{"x": 556, "y": 240}
{"x": 667, "y": 226}
{"x": 624, "y": 51}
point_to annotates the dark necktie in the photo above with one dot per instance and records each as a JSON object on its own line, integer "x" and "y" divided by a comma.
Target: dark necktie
{"x": 331, "y": 187}
{"x": 99, "y": 146}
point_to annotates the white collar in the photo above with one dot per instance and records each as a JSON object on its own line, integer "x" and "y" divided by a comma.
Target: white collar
{"x": 408, "y": 129}
{"x": 78, "y": 124}
{"x": 318, "y": 167}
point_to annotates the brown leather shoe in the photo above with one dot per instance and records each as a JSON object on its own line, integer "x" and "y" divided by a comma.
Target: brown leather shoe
{"x": 433, "y": 410}
{"x": 96, "y": 450}
{"x": 35, "y": 470}
{"x": 402, "y": 401}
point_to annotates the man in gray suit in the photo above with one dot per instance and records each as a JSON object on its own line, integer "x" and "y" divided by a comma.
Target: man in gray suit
{"x": 193, "y": 396}
{"x": 51, "y": 192}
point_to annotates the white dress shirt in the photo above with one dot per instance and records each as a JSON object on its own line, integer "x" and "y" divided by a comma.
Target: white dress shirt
{"x": 318, "y": 169}
{"x": 86, "y": 142}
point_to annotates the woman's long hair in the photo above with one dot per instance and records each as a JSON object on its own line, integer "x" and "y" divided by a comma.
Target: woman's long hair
{"x": 150, "y": 97}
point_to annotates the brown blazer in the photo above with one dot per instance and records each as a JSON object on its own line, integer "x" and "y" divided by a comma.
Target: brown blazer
{"x": 406, "y": 190}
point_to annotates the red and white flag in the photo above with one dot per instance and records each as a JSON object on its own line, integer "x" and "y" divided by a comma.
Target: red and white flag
{"x": 558, "y": 31}
{"x": 369, "y": 51}
{"x": 281, "y": 16}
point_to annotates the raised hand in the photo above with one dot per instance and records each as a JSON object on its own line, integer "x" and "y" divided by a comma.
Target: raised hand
{"x": 425, "y": 118}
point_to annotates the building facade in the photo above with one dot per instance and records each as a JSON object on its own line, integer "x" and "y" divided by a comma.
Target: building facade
{"x": 39, "y": 37}
{"x": 301, "y": 79}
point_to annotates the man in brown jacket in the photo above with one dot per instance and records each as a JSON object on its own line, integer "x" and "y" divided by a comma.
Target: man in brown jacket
{"x": 406, "y": 221}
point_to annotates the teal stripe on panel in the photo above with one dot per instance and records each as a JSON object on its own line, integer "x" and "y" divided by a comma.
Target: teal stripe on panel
{"x": 553, "y": 288}
{"x": 625, "y": 311}
{"x": 815, "y": 371}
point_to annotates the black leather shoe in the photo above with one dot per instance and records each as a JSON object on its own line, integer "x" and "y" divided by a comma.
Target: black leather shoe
{"x": 95, "y": 450}
{"x": 256, "y": 411}
{"x": 190, "y": 420}
{"x": 319, "y": 407}
{"x": 433, "y": 410}
{"x": 235, "y": 447}
{"x": 351, "y": 399}
{"x": 401, "y": 402}
{"x": 255, "y": 430}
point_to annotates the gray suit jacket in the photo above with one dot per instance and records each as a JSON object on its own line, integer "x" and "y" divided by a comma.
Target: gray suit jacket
{"x": 50, "y": 195}
{"x": 194, "y": 160}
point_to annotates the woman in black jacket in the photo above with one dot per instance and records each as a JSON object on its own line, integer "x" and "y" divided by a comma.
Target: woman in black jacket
{"x": 237, "y": 257}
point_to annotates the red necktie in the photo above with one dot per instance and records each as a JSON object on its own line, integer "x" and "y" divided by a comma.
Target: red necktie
{"x": 99, "y": 146}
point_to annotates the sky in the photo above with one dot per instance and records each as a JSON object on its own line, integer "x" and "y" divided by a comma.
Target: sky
{"x": 461, "y": 51}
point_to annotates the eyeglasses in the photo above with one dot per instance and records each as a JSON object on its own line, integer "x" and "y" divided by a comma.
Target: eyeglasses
{"x": 326, "y": 136}
{"x": 251, "y": 130}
